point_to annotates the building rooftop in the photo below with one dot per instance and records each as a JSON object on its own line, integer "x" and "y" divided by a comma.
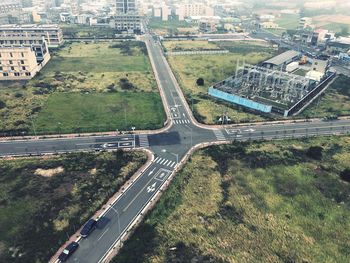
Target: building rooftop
{"x": 281, "y": 58}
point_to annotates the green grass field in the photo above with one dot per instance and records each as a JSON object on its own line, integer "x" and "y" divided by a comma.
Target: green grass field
{"x": 252, "y": 202}
{"x": 335, "y": 101}
{"x": 45, "y": 200}
{"x": 104, "y": 72}
{"x": 214, "y": 68}
{"x": 67, "y": 112}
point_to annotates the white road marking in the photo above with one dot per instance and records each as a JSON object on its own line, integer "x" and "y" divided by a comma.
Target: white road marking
{"x": 166, "y": 162}
{"x": 151, "y": 172}
{"x": 103, "y": 234}
{"x": 162, "y": 161}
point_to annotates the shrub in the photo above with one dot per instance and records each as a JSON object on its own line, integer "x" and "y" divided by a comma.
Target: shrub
{"x": 2, "y": 104}
{"x": 200, "y": 82}
{"x": 345, "y": 175}
{"x": 315, "y": 152}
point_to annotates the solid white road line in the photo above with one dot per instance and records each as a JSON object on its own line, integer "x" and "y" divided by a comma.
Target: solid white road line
{"x": 103, "y": 234}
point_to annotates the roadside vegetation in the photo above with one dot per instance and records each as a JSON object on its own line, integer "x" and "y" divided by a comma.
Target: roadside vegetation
{"x": 283, "y": 201}
{"x": 118, "y": 75}
{"x": 334, "y": 101}
{"x": 76, "y": 31}
{"x": 45, "y": 200}
{"x": 172, "y": 27}
{"x": 214, "y": 68}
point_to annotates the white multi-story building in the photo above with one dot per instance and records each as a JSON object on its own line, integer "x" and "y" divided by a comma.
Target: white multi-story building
{"x": 52, "y": 33}
{"x": 195, "y": 9}
{"x": 22, "y": 58}
{"x": 127, "y": 18}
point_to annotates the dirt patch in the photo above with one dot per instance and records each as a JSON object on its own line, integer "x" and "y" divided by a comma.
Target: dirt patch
{"x": 93, "y": 171}
{"x": 341, "y": 19}
{"x": 49, "y": 172}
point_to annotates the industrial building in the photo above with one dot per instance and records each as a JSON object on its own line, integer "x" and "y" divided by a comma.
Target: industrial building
{"x": 280, "y": 61}
{"x": 52, "y": 33}
{"x": 21, "y": 58}
{"x": 272, "y": 88}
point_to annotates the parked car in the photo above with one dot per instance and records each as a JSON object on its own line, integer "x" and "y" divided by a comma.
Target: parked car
{"x": 88, "y": 228}
{"x": 68, "y": 251}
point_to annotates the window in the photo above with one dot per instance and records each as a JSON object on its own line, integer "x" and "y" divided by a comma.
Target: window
{"x": 22, "y": 62}
{"x": 28, "y": 74}
{"x": 24, "y": 68}
{"x": 16, "y": 74}
{"x": 5, "y": 74}
{"x": 11, "y": 62}
{"x": 0, "y": 68}
{"x": 12, "y": 68}
{"x": 22, "y": 54}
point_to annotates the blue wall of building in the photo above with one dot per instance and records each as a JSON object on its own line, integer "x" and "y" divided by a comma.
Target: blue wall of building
{"x": 239, "y": 100}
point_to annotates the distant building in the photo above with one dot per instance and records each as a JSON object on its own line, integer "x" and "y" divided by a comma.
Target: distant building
{"x": 339, "y": 45}
{"x": 7, "y": 6}
{"x": 127, "y": 18}
{"x": 269, "y": 25}
{"x": 207, "y": 26}
{"x": 52, "y": 33}
{"x": 280, "y": 61}
{"x": 196, "y": 9}
{"x": 21, "y": 58}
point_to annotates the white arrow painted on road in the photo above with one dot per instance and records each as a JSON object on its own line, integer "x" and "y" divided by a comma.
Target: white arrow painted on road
{"x": 151, "y": 188}
{"x": 151, "y": 172}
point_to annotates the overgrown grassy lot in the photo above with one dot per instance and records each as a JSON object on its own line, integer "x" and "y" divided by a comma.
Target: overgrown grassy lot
{"x": 74, "y": 31}
{"x": 100, "y": 71}
{"x": 279, "y": 201}
{"x": 100, "y": 112}
{"x": 45, "y": 200}
{"x": 214, "y": 68}
{"x": 171, "y": 26}
{"x": 335, "y": 101}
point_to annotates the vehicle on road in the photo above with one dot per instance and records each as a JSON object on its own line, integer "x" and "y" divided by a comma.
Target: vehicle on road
{"x": 108, "y": 145}
{"x": 88, "y": 228}
{"x": 68, "y": 251}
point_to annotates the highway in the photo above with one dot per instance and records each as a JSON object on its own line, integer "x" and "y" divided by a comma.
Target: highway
{"x": 169, "y": 148}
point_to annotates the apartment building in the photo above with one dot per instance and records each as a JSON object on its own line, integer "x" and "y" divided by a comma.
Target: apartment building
{"x": 195, "y": 9}
{"x": 52, "y": 33}
{"x": 7, "y": 6}
{"x": 22, "y": 58}
{"x": 127, "y": 18}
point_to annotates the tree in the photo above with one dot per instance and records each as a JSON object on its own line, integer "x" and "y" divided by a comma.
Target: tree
{"x": 200, "y": 82}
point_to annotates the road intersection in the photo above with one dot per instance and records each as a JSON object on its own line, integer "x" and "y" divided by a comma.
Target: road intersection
{"x": 169, "y": 147}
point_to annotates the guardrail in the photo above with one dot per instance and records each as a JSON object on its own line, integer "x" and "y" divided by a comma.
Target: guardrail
{"x": 198, "y": 52}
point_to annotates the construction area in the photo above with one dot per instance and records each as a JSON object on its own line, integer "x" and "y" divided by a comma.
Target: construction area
{"x": 276, "y": 85}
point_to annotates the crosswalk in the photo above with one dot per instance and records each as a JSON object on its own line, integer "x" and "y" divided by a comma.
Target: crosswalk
{"x": 144, "y": 140}
{"x": 219, "y": 135}
{"x": 165, "y": 162}
{"x": 179, "y": 121}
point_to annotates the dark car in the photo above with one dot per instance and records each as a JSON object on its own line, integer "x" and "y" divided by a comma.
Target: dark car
{"x": 68, "y": 251}
{"x": 88, "y": 227}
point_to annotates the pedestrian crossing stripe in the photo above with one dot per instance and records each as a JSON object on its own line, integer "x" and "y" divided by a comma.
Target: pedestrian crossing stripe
{"x": 219, "y": 135}
{"x": 143, "y": 138}
{"x": 164, "y": 162}
{"x": 186, "y": 121}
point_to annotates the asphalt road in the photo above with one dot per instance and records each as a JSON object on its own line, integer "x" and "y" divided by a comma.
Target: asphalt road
{"x": 168, "y": 147}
